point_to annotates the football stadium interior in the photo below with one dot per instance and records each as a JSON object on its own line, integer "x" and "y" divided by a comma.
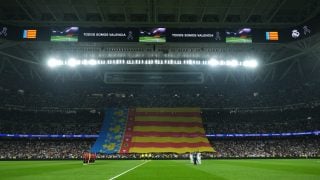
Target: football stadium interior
{"x": 159, "y": 89}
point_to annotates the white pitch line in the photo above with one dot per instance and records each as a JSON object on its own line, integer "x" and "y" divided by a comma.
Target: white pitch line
{"x": 128, "y": 170}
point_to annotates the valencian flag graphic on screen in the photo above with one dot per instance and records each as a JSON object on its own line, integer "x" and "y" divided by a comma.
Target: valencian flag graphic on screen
{"x": 148, "y": 130}
{"x": 272, "y": 36}
{"x": 29, "y": 34}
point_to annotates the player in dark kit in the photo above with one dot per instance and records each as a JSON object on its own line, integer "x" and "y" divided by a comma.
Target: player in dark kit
{"x": 89, "y": 158}
{"x": 93, "y": 158}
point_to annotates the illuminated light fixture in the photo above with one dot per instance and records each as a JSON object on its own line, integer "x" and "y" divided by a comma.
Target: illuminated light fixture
{"x": 92, "y": 62}
{"x": 250, "y": 63}
{"x": 221, "y": 63}
{"x": 232, "y": 63}
{"x": 72, "y": 62}
{"x": 52, "y": 63}
{"x": 213, "y": 62}
{"x": 85, "y": 62}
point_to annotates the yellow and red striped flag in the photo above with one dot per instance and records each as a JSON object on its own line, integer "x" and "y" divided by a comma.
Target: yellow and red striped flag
{"x": 30, "y": 34}
{"x": 177, "y": 130}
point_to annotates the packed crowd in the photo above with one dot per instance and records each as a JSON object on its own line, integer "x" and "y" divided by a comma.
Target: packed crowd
{"x": 205, "y": 96}
{"x": 23, "y": 122}
{"x": 43, "y": 149}
{"x": 214, "y": 121}
{"x": 297, "y": 120}
{"x": 305, "y": 147}
{"x": 236, "y": 148}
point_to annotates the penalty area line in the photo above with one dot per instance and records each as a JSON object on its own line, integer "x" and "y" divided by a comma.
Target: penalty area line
{"x": 128, "y": 170}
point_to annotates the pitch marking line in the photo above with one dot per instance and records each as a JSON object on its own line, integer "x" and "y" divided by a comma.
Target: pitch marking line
{"x": 128, "y": 170}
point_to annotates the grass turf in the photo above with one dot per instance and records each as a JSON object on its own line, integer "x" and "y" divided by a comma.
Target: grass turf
{"x": 162, "y": 169}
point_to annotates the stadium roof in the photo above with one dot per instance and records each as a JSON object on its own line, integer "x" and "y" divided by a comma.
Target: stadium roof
{"x": 301, "y": 57}
{"x": 168, "y": 13}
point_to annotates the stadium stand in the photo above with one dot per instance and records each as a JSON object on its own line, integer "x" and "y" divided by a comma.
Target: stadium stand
{"x": 215, "y": 121}
{"x": 32, "y": 122}
{"x": 270, "y": 148}
{"x": 43, "y": 149}
{"x": 204, "y": 96}
{"x": 78, "y": 109}
{"x": 131, "y": 82}
{"x": 263, "y": 121}
{"x": 230, "y": 148}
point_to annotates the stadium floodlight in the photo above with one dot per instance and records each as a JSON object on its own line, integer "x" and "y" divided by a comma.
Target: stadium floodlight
{"x": 232, "y": 63}
{"x": 222, "y": 63}
{"x": 250, "y": 63}
{"x": 92, "y": 62}
{"x": 72, "y": 62}
{"x": 213, "y": 62}
{"x": 52, "y": 63}
{"x": 84, "y": 62}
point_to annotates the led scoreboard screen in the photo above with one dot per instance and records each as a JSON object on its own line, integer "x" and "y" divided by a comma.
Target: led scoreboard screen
{"x": 9, "y": 32}
{"x": 67, "y": 34}
{"x": 34, "y": 34}
{"x": 152, "y": 35}
{"x": 108, "y": 35}
{"x": 299, "y": 32}
{"x": 195, "y": 35}
{"x": 267, "y": 36}
{"x": 242, "y": 35}
{"x": 161, "y": 34}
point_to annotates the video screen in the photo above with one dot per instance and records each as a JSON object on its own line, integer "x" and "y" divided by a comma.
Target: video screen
{"x": 152, "y": 35}
{"x": 29, "y": 34}
{"x": 239, "y": 36}
{"x": 272, "y": 36}
{"x": 69, "y": 34}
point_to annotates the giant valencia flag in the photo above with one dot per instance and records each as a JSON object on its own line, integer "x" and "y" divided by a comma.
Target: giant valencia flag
{"x": 176, "y": 130}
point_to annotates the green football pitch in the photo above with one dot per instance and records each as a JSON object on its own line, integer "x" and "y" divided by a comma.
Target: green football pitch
{"x": 162, "y": 169}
